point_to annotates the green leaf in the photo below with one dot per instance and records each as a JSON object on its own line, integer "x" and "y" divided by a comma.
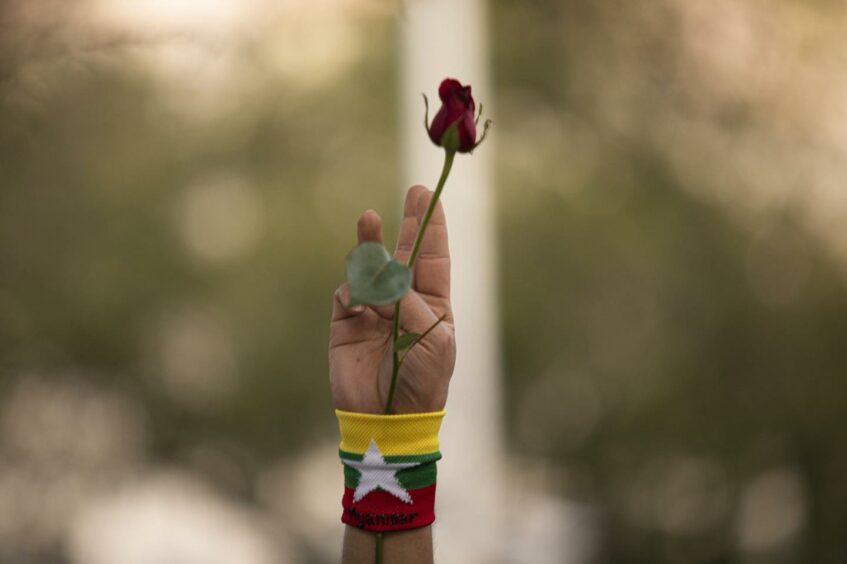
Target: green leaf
{"x": 406, "y": 341}
{"x": 374, "y": 277}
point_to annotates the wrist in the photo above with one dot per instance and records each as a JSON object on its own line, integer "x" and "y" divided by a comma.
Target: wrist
{"x": 389, "y": 469}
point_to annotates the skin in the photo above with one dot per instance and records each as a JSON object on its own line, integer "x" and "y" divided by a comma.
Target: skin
{"x": 360, "y": 354}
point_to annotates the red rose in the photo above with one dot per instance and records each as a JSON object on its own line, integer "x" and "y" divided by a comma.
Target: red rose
{"x": 457, "y": 109}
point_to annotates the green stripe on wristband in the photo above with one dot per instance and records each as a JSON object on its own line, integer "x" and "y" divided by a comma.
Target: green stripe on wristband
{"x": 421, "y": 476}
{"x": 422, "y": 458}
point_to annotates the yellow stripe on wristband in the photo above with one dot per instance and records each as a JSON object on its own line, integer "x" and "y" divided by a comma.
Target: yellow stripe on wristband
{"x": 412, "y": 433}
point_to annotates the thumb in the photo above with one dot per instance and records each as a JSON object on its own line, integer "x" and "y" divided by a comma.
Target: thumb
{"x": 340, "y": 309}
{"x": 415, "y": 314}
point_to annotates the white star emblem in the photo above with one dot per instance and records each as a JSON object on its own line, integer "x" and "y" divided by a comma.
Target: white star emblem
{"x": 377, "y": 473}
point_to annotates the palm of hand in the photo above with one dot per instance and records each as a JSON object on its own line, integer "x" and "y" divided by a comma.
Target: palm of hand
{"x": 360, "y": 344}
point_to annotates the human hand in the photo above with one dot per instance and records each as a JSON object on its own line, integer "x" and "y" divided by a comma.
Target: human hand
{"x": 360, "y": 340}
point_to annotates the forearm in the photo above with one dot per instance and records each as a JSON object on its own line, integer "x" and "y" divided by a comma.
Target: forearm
{"x": 400, "y": 547}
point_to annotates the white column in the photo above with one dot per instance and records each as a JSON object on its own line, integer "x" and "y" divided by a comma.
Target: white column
{"x": 448, "y": 38}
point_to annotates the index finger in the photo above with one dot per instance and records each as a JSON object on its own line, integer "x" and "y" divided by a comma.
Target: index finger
{"x": 409, "y": 226}
{"x": 432, "y": 267}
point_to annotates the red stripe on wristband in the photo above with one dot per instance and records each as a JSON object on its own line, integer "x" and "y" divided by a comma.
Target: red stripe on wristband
{"x": 381, "y": 511}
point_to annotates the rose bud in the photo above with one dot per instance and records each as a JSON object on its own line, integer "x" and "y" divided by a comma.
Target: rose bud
{"x": 454, "y": 126}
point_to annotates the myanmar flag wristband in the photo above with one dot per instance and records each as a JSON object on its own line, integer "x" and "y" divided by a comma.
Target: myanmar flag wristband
{"x": 389, "y": 469}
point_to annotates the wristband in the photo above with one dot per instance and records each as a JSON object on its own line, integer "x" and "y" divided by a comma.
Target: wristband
{"x": 389, "y": 469}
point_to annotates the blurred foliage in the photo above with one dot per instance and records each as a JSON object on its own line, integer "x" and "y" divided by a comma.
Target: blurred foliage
{"x": 95, "y": 165}
{"x": 645, "y": 326}
{"x": 650, "y": 330}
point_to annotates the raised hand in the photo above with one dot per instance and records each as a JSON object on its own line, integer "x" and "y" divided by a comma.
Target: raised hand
{"x": 360, "y": 341}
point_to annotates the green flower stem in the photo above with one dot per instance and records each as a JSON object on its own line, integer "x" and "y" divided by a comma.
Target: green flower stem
{"x": 378, "y": 554}
{"x": 395, "y": 364}
{"x": 423, "y": 336}
{"x": 445, "y": 172}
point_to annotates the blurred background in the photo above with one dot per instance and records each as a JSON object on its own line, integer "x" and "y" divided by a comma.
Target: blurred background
{"x": 179, "y": 183}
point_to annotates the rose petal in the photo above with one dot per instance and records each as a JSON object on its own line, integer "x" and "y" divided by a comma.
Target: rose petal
{"x": 448, "y": 87}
